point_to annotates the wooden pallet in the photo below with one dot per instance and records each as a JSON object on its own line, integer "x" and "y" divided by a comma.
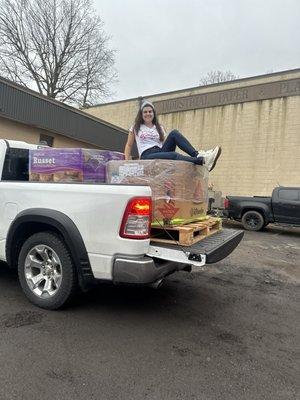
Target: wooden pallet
{"x": 188, "y": 234}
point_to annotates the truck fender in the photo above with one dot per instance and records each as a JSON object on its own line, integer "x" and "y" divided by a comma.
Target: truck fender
{"x": 252, "y": 206}
{"x": 34, "y": 220}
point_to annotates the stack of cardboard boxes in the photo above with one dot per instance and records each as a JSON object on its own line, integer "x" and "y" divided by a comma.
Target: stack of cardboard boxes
{"x": 70, "y": 165}
{"x": 179, "y": 188}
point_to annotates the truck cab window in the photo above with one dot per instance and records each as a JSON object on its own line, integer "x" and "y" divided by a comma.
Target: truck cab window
{"x": 15, "y": 166}
{"x": 291, "y": 194}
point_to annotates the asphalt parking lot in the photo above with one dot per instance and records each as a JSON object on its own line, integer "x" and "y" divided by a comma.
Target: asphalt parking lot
{"x": 228, "y": 332}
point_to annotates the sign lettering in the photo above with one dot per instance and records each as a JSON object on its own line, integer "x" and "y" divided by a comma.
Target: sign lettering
{"x": 230, "y": 96}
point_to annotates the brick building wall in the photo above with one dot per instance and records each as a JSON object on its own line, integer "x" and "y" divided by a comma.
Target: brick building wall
{"x": 260, "y": 136}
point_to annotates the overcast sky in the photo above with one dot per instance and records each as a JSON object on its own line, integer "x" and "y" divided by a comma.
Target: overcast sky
{"x": 165, "y": 45}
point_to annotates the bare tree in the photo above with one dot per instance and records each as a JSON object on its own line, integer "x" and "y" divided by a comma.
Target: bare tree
{"x": 217, "y": 77}
{"x": 57, "y": 47}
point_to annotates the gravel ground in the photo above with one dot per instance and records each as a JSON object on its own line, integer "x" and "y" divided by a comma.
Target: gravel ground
{"x": 228, "y": 332}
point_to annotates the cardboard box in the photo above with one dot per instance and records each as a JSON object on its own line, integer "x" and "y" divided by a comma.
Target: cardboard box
{"x": 70, "y": 165}
{"x": 179, "y": 188}
{"x": 177, "y": 212}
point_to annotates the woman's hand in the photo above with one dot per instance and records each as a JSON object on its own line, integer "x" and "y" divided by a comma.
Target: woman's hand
{"x": 129, "y": 145}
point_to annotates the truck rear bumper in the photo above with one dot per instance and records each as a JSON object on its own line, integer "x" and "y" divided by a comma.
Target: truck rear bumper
{"x": 164, "y": 259}
{"x": 144, "y": 270}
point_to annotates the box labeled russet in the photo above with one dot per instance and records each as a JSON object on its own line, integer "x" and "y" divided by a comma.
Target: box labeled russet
{"x": 179, "y": 188}
{"x": 70, "y": 165}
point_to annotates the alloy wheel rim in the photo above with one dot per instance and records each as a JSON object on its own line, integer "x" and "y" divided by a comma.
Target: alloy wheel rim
{"x": 252, "y": 221}
{"x": 43, "y": 271}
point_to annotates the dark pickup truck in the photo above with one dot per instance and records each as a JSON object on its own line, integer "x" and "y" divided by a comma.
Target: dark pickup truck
{"x": 257, "y": 212}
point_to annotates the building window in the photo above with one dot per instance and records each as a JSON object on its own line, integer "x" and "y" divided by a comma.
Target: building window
{"x": 46, "y": 139}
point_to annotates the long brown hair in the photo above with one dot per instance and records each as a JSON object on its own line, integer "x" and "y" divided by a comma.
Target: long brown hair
{"x": 139, "y": 121}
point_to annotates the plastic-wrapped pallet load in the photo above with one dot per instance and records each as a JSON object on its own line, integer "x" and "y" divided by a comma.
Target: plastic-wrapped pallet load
{"x": 179, "y": 188}
{"x": 70, "y": 165}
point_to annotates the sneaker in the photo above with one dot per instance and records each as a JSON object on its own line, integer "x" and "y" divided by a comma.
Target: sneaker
{"x": 203, "y": 153}
{"x": 211, "y": 158}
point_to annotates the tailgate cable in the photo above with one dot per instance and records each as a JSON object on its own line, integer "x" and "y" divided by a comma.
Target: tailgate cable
{"x": 186, "y": 253}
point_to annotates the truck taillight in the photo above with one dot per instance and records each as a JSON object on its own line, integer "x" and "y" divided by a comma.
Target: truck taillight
{"x": 136, "y": 221}
{"x": 226, "y": 203}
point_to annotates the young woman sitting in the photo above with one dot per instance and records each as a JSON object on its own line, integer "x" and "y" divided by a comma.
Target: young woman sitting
{"x": 152, "y": 142}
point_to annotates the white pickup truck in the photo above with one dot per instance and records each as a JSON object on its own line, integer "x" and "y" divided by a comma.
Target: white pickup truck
{"x": 64, "y": 236}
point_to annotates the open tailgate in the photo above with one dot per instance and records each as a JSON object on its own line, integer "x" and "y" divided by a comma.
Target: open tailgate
{"x": 207, "y": 251}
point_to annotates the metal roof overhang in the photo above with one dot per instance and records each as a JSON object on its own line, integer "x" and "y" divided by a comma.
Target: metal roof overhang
{"x": 21, "y": 104}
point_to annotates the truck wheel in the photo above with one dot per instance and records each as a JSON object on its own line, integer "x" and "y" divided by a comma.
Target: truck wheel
{"x": 46, "y": 271}
{"x": 253, "y": 221}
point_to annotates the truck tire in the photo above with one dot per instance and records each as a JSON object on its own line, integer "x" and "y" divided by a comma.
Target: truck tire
{"x": 46, "y": 271}
{"x": 253, "y": 221}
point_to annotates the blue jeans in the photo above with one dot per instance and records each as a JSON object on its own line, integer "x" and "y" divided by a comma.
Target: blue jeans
{"x": 167, "y": 152}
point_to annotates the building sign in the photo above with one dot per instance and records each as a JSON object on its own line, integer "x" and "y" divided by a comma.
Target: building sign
{"x": 231, "y": 96}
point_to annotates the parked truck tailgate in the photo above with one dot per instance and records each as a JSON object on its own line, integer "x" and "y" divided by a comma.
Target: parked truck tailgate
{"x": 163, "y": 259}
{"x": 207, "y": 251}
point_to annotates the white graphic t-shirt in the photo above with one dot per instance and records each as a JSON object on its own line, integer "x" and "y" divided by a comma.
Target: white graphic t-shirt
{"x": 147, "y": 138}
